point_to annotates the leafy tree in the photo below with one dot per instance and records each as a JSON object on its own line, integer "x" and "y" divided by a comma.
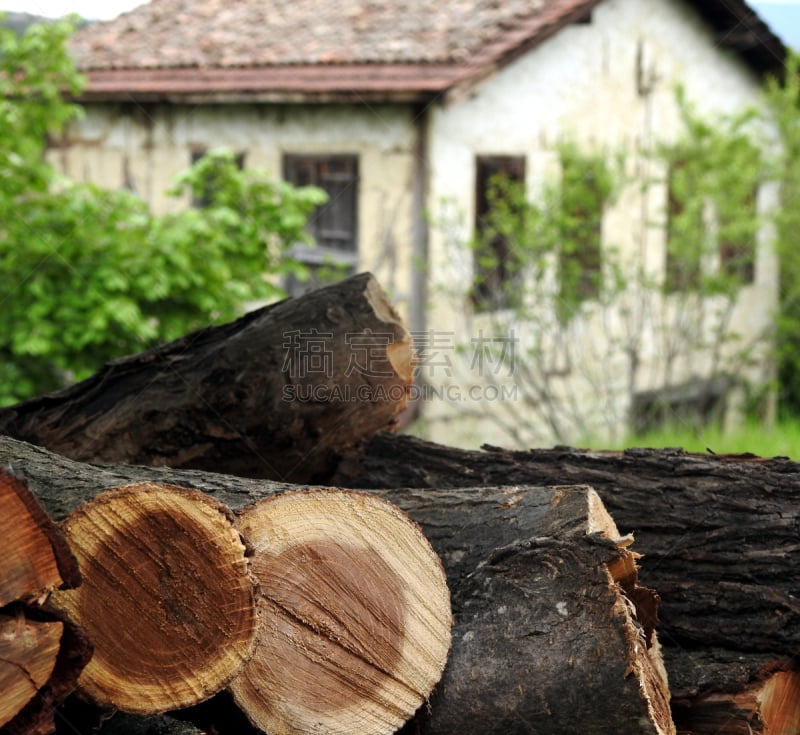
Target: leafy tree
{"x": 783, "y": 96}
{"x": 88, "y": 274}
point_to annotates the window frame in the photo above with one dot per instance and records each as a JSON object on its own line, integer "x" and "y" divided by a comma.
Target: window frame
{"x": 309, "y": 169}
{"x": 492, "y": 289}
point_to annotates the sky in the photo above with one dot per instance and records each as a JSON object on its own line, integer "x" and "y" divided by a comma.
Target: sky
{"x": 783, "y": 16}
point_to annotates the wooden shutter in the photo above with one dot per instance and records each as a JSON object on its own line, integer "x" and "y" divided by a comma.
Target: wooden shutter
{"x": 333, "y": 225}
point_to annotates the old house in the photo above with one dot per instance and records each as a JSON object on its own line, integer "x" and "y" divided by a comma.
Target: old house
{"x": 403, "y": 110}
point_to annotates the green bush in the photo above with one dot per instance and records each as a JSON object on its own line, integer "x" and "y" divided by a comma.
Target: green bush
{"x": 88, "y": 274}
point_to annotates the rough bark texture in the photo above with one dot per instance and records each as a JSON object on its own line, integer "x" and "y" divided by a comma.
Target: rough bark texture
{"x": 719, "y": 536}
{"x": 547, "y": 639}
{"x": 239, "y": 395}
{"x": 719, "y": 533}
{"x": 563, "y": 652}
{"x": 718, "y": 691}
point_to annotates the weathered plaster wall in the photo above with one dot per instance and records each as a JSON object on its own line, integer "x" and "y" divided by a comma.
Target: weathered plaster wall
{"x": 143, "y": 148}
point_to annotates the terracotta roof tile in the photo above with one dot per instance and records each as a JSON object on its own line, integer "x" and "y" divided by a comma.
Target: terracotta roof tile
{"x": 249, "y": 33}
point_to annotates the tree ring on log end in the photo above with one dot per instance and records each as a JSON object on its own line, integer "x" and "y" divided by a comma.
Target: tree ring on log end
{"x": 355, "y": 615}
{"x": 28, "y": 651}
{"x": 167, "y": 597}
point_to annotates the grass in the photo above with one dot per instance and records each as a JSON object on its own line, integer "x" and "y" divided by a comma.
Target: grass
{"x": 782, "y": 439}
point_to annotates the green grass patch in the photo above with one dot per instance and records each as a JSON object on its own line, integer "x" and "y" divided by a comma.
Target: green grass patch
{"x": 782, "y": 439}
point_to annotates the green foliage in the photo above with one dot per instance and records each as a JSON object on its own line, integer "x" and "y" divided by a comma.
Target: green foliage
{"x": 88, "y": 274}
{"x": 783, "y": 97}
{"x": 781, "y": 440}
{"x": 713, "y": 174}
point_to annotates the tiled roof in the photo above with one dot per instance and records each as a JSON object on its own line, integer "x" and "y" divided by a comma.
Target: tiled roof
{"x": 247, "y": 33}
{"x": 278, "y": 47}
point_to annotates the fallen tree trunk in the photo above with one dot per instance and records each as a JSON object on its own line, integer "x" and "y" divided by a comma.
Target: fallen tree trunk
{"x": 732, "y": 520}
{"x": 719, "y": 535}
{"x": 547, "y": 636}
{"x": 265, "y": 396}
{"x": 41, "y": 653}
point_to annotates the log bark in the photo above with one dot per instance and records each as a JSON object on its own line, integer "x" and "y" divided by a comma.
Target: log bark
{"x": 547, "y": 634}
{"x": 718, "y": 533}
{"x": 167, "y": 598}
{"x": 283, "y": 390}
{"x": 719, "y": 691}
{"x": 732, "y": 521}
{"x": 41, "y": 654}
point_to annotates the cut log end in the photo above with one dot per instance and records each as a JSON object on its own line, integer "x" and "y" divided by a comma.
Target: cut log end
{"x": 779, "y": 701}
{"x": 28, "y": 652}
{"x": 167, "y": 598}
{"x": 41, "y": 655}
{"x": 767, "y": 705}
{"x": 35, "y": 559}
{"x": 355, "y": 610}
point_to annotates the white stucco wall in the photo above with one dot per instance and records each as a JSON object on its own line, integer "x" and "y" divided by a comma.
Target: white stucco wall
{"x": 582, "y": 84}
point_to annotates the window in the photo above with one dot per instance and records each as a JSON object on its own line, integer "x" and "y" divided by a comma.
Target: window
{"x": 690, "y": 232}
{"x": 496, "y": 271}
{"x": 737, "y": 232}
{"x": 333, "y": 225}
{"x": 204, "y": 198}
{"x": 583, "y": 195}
{"x": 685, "y": 230}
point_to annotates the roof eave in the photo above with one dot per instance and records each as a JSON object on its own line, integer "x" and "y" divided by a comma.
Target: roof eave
{"x": 408, "y": 83}
{"x": 740, "y": 29}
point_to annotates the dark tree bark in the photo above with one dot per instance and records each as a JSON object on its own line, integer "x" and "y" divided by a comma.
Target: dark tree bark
{"x": 719, "y": 536}
{"x": 280, "y": 393}
{"x": 717, "y": 691}
{"x": 552, "y": 634}
{"x": 719, "y": 533}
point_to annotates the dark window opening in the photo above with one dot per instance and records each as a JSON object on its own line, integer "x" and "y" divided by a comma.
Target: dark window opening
{"x": 580, "y": 258}
{"x": 496, "y": 267}
{"x": 737, "y": 247}
{"x": 333, "y": 226}
{"x": 683, "y": 256}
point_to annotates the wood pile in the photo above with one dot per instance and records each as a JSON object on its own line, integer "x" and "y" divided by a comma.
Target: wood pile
{"x": 216, "y": 537}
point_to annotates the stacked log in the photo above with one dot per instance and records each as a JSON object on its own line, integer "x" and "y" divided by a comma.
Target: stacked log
{"x": 167, "y": 598}
{"x": 41, "y": 652}
{"x": 552, "y": 631}
{"x": 280, "y": 393}
{"x": 719, "y": 534}
{"x": 542, "y": 585}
